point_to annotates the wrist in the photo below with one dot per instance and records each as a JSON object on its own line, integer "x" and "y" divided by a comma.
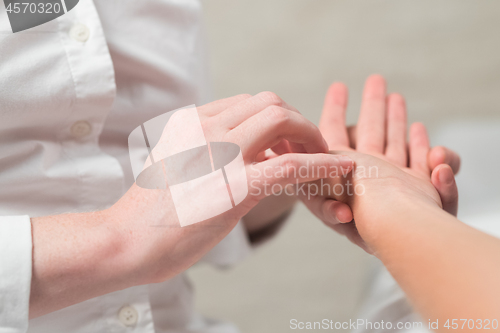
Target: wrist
{"x": 75, "y": 257}
{"x": 138, "y": 244}
{"x": 123, "y": 253}
{"x": 390, "y": 215}
{"x": 154, "y": 247}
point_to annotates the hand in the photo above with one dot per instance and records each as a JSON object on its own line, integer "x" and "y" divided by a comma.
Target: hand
{"x": 373, "y": 191}
{"x": 255, "y": 124}
{"x": 381, "y": 132}
{"x": 78, "y": 256}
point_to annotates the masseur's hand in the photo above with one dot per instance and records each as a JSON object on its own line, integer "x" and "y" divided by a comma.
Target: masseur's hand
{"x": 139, "y": 240}
{"x": 255, "y": 124}
{"x": 381, "y": 132}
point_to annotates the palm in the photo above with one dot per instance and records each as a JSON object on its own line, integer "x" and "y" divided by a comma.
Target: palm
{"x": 381, "y": 133}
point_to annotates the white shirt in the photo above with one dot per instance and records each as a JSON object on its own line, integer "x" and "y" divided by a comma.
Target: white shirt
{"x": 71, "y": 91}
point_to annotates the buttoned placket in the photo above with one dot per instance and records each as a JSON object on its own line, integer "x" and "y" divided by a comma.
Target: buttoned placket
{"x": 95, "y": 89}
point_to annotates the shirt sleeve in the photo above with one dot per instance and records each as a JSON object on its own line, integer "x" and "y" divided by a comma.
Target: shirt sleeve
{"x": 15, "y": 273}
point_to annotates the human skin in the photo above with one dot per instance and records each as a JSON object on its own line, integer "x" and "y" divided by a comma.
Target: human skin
{"x": 80, "y": 256}
{"x": 378, "y": 110}
{"x": 381, "y": 131}
{"x": 447, "y": 269}
{"x": 377, "y": 105}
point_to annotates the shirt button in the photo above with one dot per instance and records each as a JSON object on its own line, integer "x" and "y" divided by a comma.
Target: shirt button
{"x": 128, "y": 316}
{"x": 80, "y": 129}
{"x": 79, "y": 32}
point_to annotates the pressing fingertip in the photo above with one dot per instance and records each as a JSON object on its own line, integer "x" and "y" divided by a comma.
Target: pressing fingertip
{"x": 345, "y": 162}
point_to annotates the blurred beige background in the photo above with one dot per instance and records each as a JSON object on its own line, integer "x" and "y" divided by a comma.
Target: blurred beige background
{"x": 443, "y": 55}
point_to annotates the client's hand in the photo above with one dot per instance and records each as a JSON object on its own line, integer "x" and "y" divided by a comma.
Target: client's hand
{"x": 381, "y": 132}
{"x": 374, "y": 189}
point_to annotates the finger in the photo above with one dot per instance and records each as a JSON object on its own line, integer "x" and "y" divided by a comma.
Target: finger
{"x": 297, "y": 148}
{"x": 238, "y": 113}
{"x": 444, "y": 181}
{"x": 419, "y": 148}
{"x": 329, "y": 211}
{"x": 371, "y": 123}
{"x": 395, "y": 150}
{"x": 338, "y": 211}
{"x": 267, "y": 128}
{"x": 215, "y": 107}
{"x": 283, "y": 147}
{"x": 325, "y": 210}
{"x": 442, "y": 155}
{"x": 332, "y": 122}
{"x": 276, "y": 174}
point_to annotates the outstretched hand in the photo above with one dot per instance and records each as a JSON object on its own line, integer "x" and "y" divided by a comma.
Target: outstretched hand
{"x": 381, "y": 132}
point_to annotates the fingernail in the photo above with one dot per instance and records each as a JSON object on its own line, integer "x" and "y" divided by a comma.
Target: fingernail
{"x": 332, "y": 218}
{"x": 445, "y": 177}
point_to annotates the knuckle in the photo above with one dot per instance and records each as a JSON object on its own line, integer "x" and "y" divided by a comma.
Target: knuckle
{"x": 271, "y": 98}
{"x": 208, "y": 126}
{"x": 276, "y": 115}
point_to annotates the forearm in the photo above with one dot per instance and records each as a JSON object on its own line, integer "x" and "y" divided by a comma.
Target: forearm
{"x": 448, "y": 269}
{"x": 75, "y": 257}
{"x": 137, "y": 241}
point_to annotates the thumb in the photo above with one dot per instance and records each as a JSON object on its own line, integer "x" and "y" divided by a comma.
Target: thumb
{"x": 443, "y": 179}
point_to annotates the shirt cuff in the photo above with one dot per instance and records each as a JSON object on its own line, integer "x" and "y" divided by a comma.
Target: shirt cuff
{"x": 15, "y": 273}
